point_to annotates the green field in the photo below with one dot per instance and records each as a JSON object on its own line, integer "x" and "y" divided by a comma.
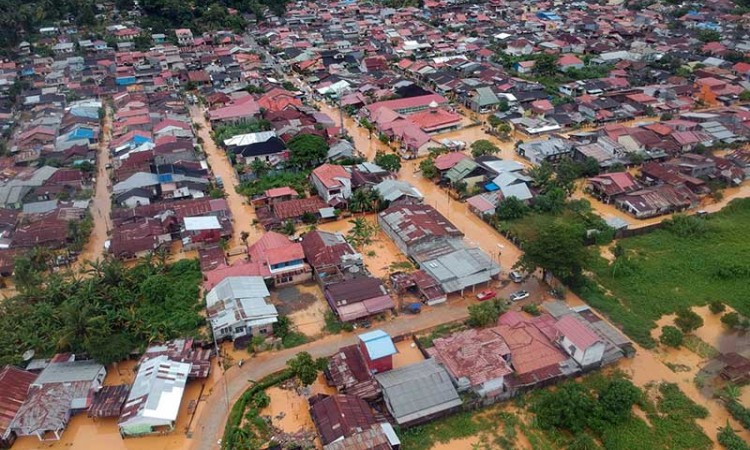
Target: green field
{"x": 675, "y": 267}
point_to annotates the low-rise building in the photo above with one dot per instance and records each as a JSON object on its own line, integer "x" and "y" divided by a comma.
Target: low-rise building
{"x": 154, "y": 400}
{"x": 238, "y": 306}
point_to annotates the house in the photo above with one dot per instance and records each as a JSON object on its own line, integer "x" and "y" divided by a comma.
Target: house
{"x": 392, "y": 190}
{"x": 155, "y": 397}
{"x": 238, "y": 307}
{"x": 567, "y": 62}
{"x": 66, "y": 386}
{"x": 418, "y": 393}
{"x": 14, "y": 390}
{"x": 244, "y": 110}
{"x": 278, "y": 260}
{"x": 415, "y": 226}
{"x": 184, "y": 350}
{"x": 435, "y": 120}
{"x": 378, "y": 349}
{"x": 408, "y": 105}
{"x": 184, "y": 36}
{"x": 330, "y": 254}
{"x": 656, "y": 200}
{"x": 466, "y": 171}
{"x": 358, "y": 298}
{"x": 607, "y": 186}
{"x": 264, "y": 146}
{"x": 341, "y": 417}
{"x": 580, "y": 342}
{"x": 551, "y": 150}
{"x": 349, "y": 374}
{"x": 457, "y": 268}
{"x": 446, "y": 161}
{"x": 200, "y": 231}
{"x": 332, "y": 182}
{"x": 484, "y": 100}
{"x": 476, "y": 359}
{"x": 534, "y": 356}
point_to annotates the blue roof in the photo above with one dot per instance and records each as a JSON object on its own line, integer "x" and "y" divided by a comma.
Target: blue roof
{"x": 125, "y": 81}
{"x": 378, "y": 343}
{"x": 491, "y": 187}
{"x": 165, "y": 178}
{"x": 82, "y": 133}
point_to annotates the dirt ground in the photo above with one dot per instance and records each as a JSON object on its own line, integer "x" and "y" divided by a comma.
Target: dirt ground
{"x": 380, "y": 255}
{"x": 304, "y": 304}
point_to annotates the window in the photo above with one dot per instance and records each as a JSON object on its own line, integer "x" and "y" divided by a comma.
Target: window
{"x": 239, "y": 329}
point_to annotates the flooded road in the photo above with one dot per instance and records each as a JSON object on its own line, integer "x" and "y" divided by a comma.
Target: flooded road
{"x": 242, "y": 213}
{"x": 101, "y": 203}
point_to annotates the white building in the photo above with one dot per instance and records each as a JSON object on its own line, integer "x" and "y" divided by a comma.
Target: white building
{"x": 154, "y": 400}
{"x": 580, "y": 342}
{"x": 238, "y": 306}
{"x": 332, "y": 182}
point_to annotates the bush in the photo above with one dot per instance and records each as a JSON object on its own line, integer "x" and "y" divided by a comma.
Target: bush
{"x": 485, "y": 314}
{"x": 739, "y": 412}
{"x": 716, "y": 307}
{"x": 730, "y": 440}
{"x": 532, "y": 309}
{"x": 731, "y": 319}
{"x": 688, "y": 321}
{"x": 686, "y": 226}
{"x": 304, "y": 367}
{"x": 671, "y": 336}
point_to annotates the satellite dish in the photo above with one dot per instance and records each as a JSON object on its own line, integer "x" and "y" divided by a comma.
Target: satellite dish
{"x": 28, "y": 354}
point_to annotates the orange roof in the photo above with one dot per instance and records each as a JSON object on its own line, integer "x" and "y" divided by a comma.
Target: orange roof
{"x": 434, "y": 118}
{"x": 328, "y": 174}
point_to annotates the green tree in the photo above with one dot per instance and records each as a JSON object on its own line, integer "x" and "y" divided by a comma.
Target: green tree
{"x": 616, "y": 399}
{"x": 504, "y": 129}
{"x": 361, "y": 201}
{"x": 109, "y": 349}
{"x": 552, "y": 201}
{"x": 307, "y": 150}
{"x": 745, "y": 96}
{"x": 289, "y": 228}
{"x": 493, "y": 121}
{"x": 486, "y": 313}
{"x": 731, "y": 320}
{"x": 511, "y": 208}
{"x": 730, "y": 440}
{"x": 671, "y": 336}
{"x": 304, "y": 368}
{"x": 545, "y": 64}
{"x": 483, "y": 147}
{"x": 388, "y": 161}
{"x": 260, "y": 168}
{"x": 570, "y": 407}
{"x": 688, "y": 321}
{"x": 427, "y": 166}
{"x": 583, "y": 442}
{"x": 542, "y": 176}
{"x": 557, "y": 248}
{"x": 362, "y": 232}
{"x": 25, "y": 276}
{"x": 716, "y": 307}
{"x": 709, "y": 36}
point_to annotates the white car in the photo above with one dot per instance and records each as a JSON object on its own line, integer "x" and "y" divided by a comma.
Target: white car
{"x": 516, "y": 276}
{"x": 519, "y": 295}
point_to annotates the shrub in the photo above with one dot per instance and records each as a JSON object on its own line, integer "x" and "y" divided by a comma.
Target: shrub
{"x": 671, "y": 336}
{"x": 532, "y": 309}
{"x": 688, "y": 321}
{"x": 485, "y": 314}
{"x": 686, "y": 226}
{"x": 731, "y": 319}
{"x": 716, "y": 307}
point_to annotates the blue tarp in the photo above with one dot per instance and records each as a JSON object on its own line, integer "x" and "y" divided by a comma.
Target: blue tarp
{"x": 125, "y": 81}
{"x": 81, "y": 133}
{"x": 165, "y": 178}
{"x": 491, "y": 187}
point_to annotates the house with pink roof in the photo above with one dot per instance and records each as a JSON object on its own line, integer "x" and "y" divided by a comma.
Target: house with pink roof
{"x": 580, "y": 342}
{"x": 333, "y": 183}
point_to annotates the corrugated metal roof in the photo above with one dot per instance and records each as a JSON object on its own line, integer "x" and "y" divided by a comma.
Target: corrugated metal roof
{"x": 378, "y": 344}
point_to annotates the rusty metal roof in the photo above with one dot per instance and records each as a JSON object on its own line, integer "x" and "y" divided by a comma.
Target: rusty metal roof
{"x": 14, "y": 389}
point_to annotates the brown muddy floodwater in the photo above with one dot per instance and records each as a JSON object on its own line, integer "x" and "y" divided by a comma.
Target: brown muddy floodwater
{"x": 408, "y": 354}
{"x": 650, "y": 366}
{"x": 84, "y": 433}
{"x": 242, "y": 213}
{"x": 304, "y": 304}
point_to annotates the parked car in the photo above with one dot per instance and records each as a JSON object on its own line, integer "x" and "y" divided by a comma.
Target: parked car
{"x": 517, "y": 276}
{"x": 519, "y": 295}
{"x": 487, "y": 294}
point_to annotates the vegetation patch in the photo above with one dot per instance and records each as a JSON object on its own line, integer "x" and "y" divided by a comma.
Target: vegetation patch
{"x": 675, "y": 268}
{"x": 599, "y": 410}
{"x": 106, "y": 315}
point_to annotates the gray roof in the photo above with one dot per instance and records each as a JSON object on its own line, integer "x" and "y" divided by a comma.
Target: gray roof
{"x": 461, "y": 170}
{"x": 39, "y": 207}
{"x": 520, "y": 191}
{"x": 14, "y": 190}
{"x": 156, "y": 393}
{"x": 485, "y": 96}
{"x": 462, "y": 268}
{"x": 68, "y": 372}
{"x": 237, "y": 288}
{"x": 418, "y": 390}
{"x": 391, "y": 190}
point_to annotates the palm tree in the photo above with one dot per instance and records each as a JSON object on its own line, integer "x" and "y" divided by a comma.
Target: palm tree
{"x": 360, "y": 201}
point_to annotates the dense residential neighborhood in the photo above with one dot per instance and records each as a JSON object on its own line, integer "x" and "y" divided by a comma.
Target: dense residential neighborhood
{"x": 388, "y": 225}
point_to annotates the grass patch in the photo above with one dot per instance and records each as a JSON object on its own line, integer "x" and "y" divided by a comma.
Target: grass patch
{"x": 668, "y": 269}
{"x": 334, "y": 325}
{"x": 457, "y": 426}
{"x": 440, "y": 331}
{"x": 699, "y": 347}
{"x": 293, "y": 339}
{"x": 671, "y": 421}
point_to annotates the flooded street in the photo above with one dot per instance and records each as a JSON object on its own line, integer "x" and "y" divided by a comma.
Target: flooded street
{"x": 242, "y": 213}
{"x": 408, "y": 353}
{"x": 101, "y": 202}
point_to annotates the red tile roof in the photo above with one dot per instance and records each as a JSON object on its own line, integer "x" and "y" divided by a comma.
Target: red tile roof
{"x": 328, "y": 174}
{"x": 297, "y": 207}
{"x": 274, "y": 248}
{"x": 531, "y": 350}
{"x": 448, "y": 160}
{"x": 434, "y": 119}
